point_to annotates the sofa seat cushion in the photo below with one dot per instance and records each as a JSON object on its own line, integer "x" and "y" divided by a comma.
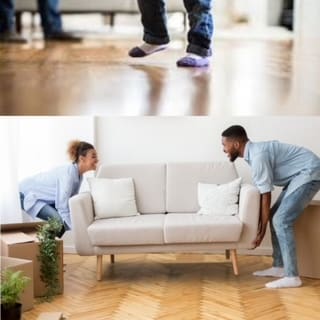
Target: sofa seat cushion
{"x": 134, "y": 230}
{"x": 194, "y": 228}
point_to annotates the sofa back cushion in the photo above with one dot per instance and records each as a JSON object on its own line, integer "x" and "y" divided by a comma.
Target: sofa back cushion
{"x": 183, "y": 179}
{"x": 113, "y": 197}
{"x": 149, "y": 182}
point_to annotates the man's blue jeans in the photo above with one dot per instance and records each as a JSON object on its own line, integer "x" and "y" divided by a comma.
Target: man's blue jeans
{"x": 154, "y": 21}
{"x": 284, "y": 213}
{"x": 49, "y": 12}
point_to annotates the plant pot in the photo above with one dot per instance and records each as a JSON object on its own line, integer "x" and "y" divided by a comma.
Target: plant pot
{"x": 13, "y": 313}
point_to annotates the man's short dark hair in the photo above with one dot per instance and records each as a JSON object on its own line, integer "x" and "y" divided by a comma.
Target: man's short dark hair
{"x": 235, "y": 132}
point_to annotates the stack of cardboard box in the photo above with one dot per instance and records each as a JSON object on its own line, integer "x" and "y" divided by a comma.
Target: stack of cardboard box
{"x": 25, "y": 245}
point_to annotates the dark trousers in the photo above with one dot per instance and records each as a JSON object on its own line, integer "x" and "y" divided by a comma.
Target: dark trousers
{"x": 154, "y": 21}
{"x": 48, "y": 9}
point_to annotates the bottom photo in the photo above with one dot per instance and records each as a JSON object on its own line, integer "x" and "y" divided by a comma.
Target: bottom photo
{"x": 160, "y": 218}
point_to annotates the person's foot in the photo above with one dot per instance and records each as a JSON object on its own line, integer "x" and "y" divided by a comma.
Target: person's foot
{"x": 193, "y": 61}
{"x": 62, "y": 36}
{"x": 12, "y": 37}
{"x": 286, "y": 282}
{"x": 146, "y": 49}
{"x": 277, "y": 272}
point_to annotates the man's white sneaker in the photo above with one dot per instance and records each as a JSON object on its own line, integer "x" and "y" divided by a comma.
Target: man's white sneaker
{"x": 271, "y": 272}
{"x": 286, "y": 282}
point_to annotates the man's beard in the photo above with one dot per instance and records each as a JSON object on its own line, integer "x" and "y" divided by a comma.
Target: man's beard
{"x": 234, "y": 156}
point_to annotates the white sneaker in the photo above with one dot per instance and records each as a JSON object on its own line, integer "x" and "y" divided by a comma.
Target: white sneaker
{"x": 286, "y": 282}
{"x": 271, "y": 272}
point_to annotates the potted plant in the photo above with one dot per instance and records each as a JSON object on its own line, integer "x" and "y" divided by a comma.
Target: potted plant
{"x": 12, "y": 285}
{"x": 49, "y": 256}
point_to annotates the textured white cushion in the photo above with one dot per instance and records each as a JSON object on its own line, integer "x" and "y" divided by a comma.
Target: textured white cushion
{"x": 149, "y": 182}
{"x": 195, "y": 228}
{"x": 113, "y": 197}
{"x": 144, "y": 229}
{"x": 183, "y": 179}
{"x": 219, "y": 199}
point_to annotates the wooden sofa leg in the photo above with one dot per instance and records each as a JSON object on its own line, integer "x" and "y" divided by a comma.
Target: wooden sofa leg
{"x": 227, "y": 254}
{"x": 112, "y": 258}
{"x": 234, "y": 261}
{"x": 99, "y": 267}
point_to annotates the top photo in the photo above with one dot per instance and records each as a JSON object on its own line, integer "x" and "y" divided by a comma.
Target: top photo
{"x": 159, "y": 58}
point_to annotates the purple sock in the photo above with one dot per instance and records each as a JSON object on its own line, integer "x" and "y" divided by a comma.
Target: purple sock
{"x": 145, "y": 50}
{"x": 192, "y": 62}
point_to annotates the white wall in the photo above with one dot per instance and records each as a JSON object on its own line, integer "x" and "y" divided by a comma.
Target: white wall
{"x": 43, "y": 141}
{"x": 307, "y": 25}
{"x": 158, "y": 139}
{"x": 261, "y": 13}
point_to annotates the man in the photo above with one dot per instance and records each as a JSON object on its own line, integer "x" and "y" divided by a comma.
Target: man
{"x": 294, "y": 168}
{"x": 50, "y": 21}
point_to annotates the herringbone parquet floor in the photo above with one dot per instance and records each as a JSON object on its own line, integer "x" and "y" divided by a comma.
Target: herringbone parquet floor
{"x": 179, "y": 287}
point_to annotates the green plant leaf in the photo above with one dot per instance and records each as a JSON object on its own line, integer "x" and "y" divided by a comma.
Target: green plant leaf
{"x": 49, "y": 256}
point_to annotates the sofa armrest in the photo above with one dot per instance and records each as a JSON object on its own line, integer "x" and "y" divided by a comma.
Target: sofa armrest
{"x": 82, "y": 215}
{"x": 249, "y": 211}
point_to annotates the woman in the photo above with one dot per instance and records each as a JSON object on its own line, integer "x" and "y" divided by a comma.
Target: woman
{"x": 46, "y": 195}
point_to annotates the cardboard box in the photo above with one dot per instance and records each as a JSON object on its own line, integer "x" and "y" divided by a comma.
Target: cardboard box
{"x": 25, "y": 245}
{"x": 26, "y": 298}
{"x": 51, "y": 316}
{"x": 307, "y": 241}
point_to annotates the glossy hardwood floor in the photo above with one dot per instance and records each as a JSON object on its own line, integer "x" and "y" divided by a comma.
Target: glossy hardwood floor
{"x": 96, "y": 77}
{"x": 177, "y": 287}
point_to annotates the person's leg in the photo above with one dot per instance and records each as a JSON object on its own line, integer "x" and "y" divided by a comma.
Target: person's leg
{"x": 50, "y": 16}
{"x": 51, "y": 21}
{"x": 200, "y": 33}
{"x": 290, "y": 208}
{"x": 277, "y": 267}
{"x": 7, "y": 27}
{"x": 6, "y": 16}
{"x": 49, "y": 212}
{"x": 276, "y": 254}
{"x": 155, "y": 33}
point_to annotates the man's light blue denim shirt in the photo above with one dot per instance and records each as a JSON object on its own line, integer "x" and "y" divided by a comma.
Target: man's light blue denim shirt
{"x": 54, "y": 187}
{"x": 280, "y": 164}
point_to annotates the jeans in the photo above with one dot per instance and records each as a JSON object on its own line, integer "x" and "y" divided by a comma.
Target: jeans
{"x": 284, "y": 213}
{"x": 50, "y": 16}
{"x": 154, "y": 21}
{"x": 6, "y": 15}
{"x": 48, "y": 212}
{"x": 49, "y": 12}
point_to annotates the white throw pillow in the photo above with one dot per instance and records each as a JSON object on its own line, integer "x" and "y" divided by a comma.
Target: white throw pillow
{"x": 220, "y": 199}
{"x": 113, "y": 197}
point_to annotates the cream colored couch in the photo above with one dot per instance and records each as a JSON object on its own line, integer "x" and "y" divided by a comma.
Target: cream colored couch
{"x": 104, "y": 6}
{"x": 166, "y": 196}
{"x": 107, "y": 7}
